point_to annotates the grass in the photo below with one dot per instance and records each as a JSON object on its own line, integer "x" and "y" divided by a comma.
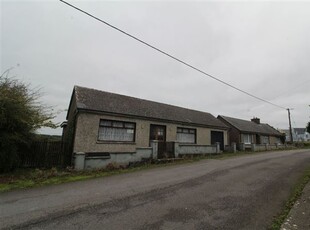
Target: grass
{"x": 29, "y": 178}
{"x": 294, "y": 196}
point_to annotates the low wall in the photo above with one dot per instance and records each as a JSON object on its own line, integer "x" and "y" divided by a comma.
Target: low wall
{"x": 101, "y": 160}
{"x": 259, "y": 148}
{"x": 266, "y": 147}
{"x": 187, "y": 149}
{"x": 244, "y": 147}
{"x": 280, "y": 146}
{"x": 231, "y": 148}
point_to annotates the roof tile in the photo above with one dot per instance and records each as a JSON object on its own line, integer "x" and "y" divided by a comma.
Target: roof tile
{"x": 250, "y": 126}
{"x": 95, "y": 100}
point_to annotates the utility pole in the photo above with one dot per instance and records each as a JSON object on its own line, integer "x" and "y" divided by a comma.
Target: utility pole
{"x": 289, "y": 120}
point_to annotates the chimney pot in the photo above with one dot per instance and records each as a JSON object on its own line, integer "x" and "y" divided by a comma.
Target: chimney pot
{"x": 256, "y": 120}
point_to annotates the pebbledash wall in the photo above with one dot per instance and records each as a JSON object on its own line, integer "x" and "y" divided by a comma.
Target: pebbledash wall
{"x": 91, "y": 153}
{"x": 87, "y": 128}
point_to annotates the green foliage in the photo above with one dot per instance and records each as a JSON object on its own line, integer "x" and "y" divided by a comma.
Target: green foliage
{"x": 308, "y": 127}
{"x": 21, "y": 113}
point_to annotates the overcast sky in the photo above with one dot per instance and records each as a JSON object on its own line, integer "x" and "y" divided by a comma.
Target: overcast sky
{"x": 260, "y": 47}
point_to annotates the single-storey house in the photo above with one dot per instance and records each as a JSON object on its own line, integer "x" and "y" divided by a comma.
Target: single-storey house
{"x": 105, "y": 123}
{"x": 251, "y": 132}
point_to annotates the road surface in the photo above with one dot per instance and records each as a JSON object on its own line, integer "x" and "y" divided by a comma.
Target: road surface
{"x": 236, "y": 193}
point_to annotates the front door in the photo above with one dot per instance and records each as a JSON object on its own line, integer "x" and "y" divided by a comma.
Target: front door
{"x": 158, "y": 133}
{"x": 217, "y": 136}
{"x": 258, "y": 140}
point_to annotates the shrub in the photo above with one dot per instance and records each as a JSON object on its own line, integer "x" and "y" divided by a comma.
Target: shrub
{"x": 21, "y": 113}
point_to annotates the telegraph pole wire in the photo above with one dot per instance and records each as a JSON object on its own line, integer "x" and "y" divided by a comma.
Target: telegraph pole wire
{"x": 171, "y": 56}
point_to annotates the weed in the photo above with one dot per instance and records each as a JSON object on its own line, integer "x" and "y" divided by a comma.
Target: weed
{"x": 295, "y": 194}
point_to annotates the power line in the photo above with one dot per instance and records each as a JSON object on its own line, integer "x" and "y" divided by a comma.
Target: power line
{"x": 171, "y": 56}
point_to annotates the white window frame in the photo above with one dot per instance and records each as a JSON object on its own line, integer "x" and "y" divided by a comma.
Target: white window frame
{"x": 265, "y": 140}
{"x": 247, "y": 138}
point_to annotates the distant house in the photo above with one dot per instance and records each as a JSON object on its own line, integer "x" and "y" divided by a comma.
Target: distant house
{"x": 299, "y": 134}
{"x": 250, "y": 132}
{"x": 103, "y": 122}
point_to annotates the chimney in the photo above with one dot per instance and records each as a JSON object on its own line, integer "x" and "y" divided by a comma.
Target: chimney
{"x": 256, "y": 120}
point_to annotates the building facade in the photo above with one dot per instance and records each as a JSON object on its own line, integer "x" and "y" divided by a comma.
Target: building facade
{"x": 103, "y": 122}
{"x": 251, "y": 132}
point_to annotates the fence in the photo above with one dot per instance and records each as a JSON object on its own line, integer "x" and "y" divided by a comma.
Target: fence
{"x": 44, "y": 154}
{"x": 165, "y": 150}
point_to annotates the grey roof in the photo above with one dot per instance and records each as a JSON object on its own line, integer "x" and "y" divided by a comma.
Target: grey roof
{"x": 299, "y": 130}
{"x": 95, "y": 100}
{"x": 250, "y": 126}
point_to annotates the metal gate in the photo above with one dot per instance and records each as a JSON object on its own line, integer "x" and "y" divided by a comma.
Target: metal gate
{"x": 165, "y": 150}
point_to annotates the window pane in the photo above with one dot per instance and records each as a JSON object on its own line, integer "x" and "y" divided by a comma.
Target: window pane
{"x": 265, "y": 140}
{"x": 112, "y": 134}
{"x": 129, "y": 125}
{"x": 186, "y": 138}
{"x": 105, "y": 133}
{"x": 118, "y": 124}
{"x": 115, "y": 131}
{"x": 247, "y": 138}
{"x": 179, "y": 130}
{"x": 106, "y": 123}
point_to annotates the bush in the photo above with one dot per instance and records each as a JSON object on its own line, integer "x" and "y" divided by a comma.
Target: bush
{"x": 21, "y": 113}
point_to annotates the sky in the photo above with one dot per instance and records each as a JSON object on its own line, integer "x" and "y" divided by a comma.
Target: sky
{"x": 260, "y": 47}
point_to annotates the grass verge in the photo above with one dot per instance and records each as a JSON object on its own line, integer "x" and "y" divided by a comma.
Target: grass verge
{"x": 294, "y": 196}
{"x": 29, "y": 178}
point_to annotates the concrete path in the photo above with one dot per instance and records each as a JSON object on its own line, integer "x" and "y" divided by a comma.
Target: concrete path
{"x": 237, "y": 193}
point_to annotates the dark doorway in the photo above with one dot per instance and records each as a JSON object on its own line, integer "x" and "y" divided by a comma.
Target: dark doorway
{"x": 258, "y": 139}
{"x": 217, "y": 136}
{"x": 158, "y": 133}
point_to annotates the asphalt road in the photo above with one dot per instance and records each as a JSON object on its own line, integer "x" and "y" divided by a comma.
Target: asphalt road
{"x": 236, "y": 193}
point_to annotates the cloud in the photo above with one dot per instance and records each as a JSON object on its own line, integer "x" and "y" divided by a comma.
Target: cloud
{"x": 261, "y": 47}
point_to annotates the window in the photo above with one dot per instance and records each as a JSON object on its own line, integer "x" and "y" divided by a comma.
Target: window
{"x": 278, "y": 140}
{"x": 116, "y": 131}
{"x": 186, "y": 135}
{"x": 247, "y": 138}
{"x": 264, "y": 139}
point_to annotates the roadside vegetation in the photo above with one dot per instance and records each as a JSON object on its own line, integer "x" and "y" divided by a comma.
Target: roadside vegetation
{"x": 21, "y": 114}
{"x": 28, "y": 178}
{"x": 296, "y": 192}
